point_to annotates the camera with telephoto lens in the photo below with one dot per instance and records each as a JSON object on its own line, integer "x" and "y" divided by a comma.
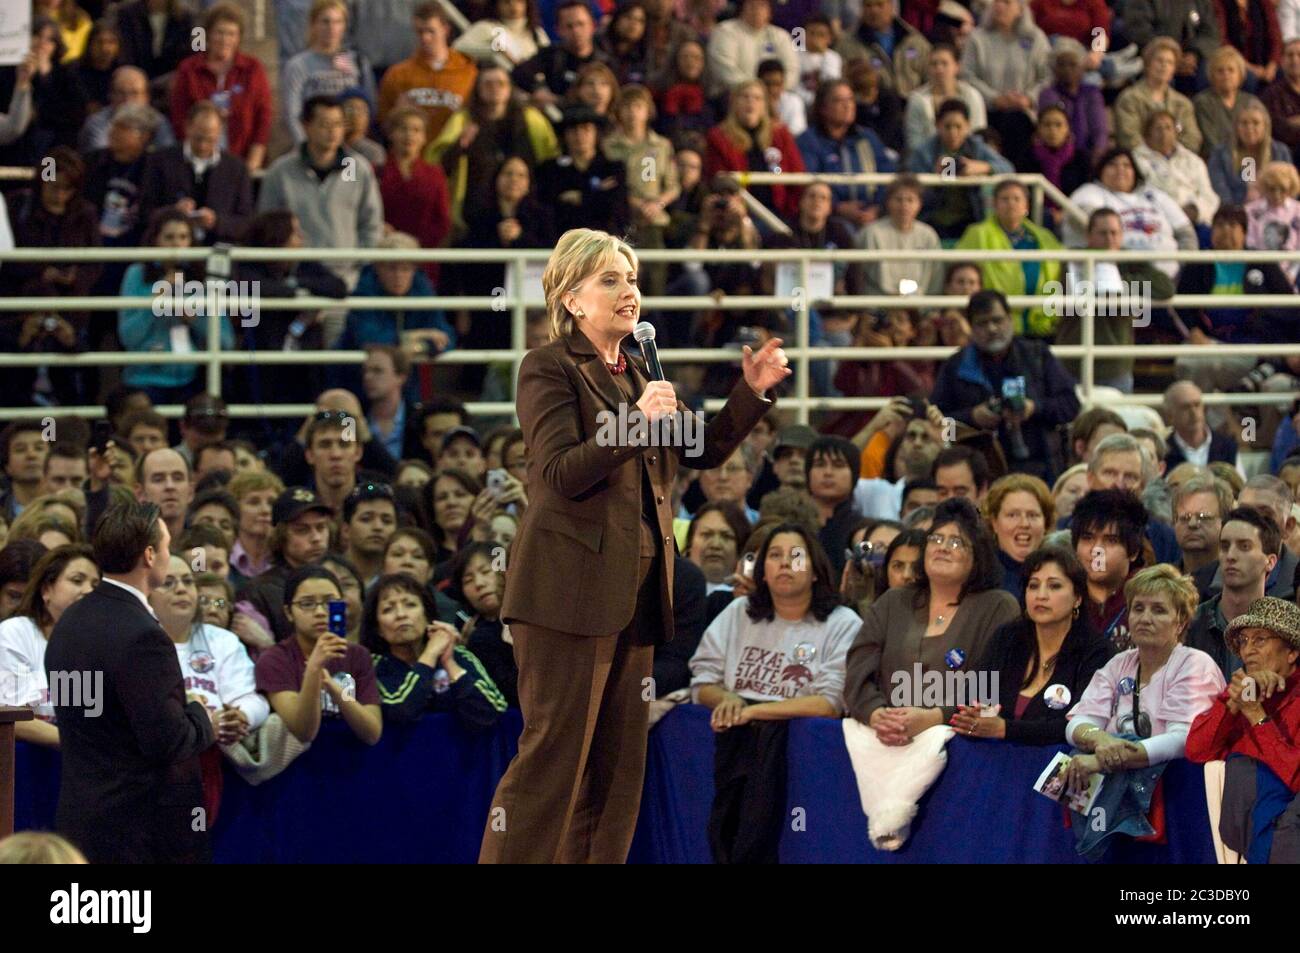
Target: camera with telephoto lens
{"x": 864, "y": 555}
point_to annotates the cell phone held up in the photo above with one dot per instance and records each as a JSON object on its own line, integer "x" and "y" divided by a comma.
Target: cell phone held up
{"x": 496, "y": 482}
{"x": 100, "y": 434}
{"x": 338, "y": 621}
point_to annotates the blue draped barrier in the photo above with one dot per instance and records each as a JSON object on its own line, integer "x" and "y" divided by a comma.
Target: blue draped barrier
{"x": 422, "y": 796}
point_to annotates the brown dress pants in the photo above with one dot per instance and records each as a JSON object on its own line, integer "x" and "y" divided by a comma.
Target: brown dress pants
{"x": 573, "y": 792}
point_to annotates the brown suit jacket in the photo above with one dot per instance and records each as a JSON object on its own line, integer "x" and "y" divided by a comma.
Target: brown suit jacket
{"x": 574, "y": 563}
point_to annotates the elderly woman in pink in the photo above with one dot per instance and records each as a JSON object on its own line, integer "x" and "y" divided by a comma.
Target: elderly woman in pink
{"x": 1275, "y": 216}
{"x": 1134, "y": 715}
{"x": 1154, "y": 690}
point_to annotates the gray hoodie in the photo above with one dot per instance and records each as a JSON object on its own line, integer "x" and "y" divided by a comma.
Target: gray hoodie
{"x": 997, "y": 63}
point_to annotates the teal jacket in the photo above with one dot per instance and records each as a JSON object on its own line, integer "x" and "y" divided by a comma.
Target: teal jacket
{"x": 140, "y": 329}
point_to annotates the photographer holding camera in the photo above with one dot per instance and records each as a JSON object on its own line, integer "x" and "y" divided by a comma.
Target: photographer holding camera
{"x": 1010, "y": 385}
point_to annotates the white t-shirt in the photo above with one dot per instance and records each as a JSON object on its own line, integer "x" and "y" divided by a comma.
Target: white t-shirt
{"x": 217, "y": 671}
{"x": 1150, "y": 219}
{"x": 777, "y": 660}
{"x": 22, "y": 667}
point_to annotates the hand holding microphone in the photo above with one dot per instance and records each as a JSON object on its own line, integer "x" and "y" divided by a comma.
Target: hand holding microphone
{"x": 659, "y": 398}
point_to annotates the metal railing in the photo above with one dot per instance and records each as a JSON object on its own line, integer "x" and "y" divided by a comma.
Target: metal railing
{"x": 221, "y": 260}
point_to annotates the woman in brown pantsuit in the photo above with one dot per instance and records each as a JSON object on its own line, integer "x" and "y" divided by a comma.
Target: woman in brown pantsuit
{"x": 589, "y": 583}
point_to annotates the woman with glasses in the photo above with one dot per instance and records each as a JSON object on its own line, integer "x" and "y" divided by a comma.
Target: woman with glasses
{"x": 1044, "y": 660}
{"x": 1019, "y": 509}
{"x": 216, "y": 600}
{"x": 216, "y": 669}
{"x": 59, "y": 578}
{"x": 1135, "y": 713}
{"x": 314, "y": 673}
{"x": 419, "y": 662}
{"x": 941, "y": 623}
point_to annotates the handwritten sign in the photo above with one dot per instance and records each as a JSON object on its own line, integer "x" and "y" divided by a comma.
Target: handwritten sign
{"x": 15, "y": 31}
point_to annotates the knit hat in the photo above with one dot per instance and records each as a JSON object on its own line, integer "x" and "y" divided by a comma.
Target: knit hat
{"x": 1279, "y": 616}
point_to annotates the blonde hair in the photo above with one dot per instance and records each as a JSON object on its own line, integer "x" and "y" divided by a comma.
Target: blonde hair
{"x": 1229, "y": 54}
{"x": 1159, "y": 43}
{"x": 398, "y": 241}
{"x": 1020, "y": 483}
{"x": 632, "y": 94}
{"x": 38, "y": 518}
{"x": 579, "y": 254}
{"x": 320, "y": 6}
{"x": 1264, "y": 151}
{"x": 254, "y": 482}
{"x": 38, "y": 847}
{"x": 1283, "y": 175}
{"x": 1065, "y": 477}
{"x": 733, "y": 130}
{"x": 1163, "y": 579}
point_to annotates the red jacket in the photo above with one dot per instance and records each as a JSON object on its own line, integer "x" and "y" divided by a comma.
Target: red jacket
{"x": 1077, "y": 20}
{"x": 1273, "y": 41}
{"x": 249, "y": 111}
{"x": 1216, "y": 733}
{"x": 419, "y": 206}
{"x": 722, "y": 155}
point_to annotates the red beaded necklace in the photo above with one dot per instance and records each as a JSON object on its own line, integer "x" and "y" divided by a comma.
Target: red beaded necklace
{"x": 620, "y": 367}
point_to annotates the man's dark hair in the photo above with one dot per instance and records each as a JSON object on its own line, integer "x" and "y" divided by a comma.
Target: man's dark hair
{"x": 1270, "y": 534}
{"x": 952, "y": 106}
{"x": 147, "y": 417}
{"x": 984, "y": 301}
{"x": 770, "y": 66}
{"x": 17, "y": 559}
{"x": 825, "y": 596}
{"x": 985, "y": 570}
{"x": 1010, "y": 184}
{"x": 117, "y": 400}
{"x": 1099, "y": 213}
{"x": 1097, "y": 509}
{"x": 368, "y": 493}
{"x": 68, "y": 451}
{"x": 314, "y": 103}
{"x": 218, "y": 445}
{"x": 1231, "y": 215}
{"x": 215, "y": 480}
{"x": 347, "y": 565}
{"x": 951, "y": 456}
{"x": 14, "y": 429}
{"x": 834, "y": 448}
{"x": 198, "y": 536}
{"x": 911, "y": 485}
{"x": 222, "y": 498}
{"x": 568, "y": 4}
{"x": 1086, "y": 424}
{"x": 122, "y": 535}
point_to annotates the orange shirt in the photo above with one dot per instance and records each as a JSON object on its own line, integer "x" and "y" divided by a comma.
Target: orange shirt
{"x": 873, "y": 456}
{"x": 439, "y": 92}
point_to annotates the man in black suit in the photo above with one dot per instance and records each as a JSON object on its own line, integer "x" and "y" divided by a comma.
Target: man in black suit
{"x": 205, "y": 182}
{"x": 1192, "y": 439}
{"x": 131, "y": 789}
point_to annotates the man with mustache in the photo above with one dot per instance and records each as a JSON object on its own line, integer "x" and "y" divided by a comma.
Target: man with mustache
{"x": 978, "y": 386}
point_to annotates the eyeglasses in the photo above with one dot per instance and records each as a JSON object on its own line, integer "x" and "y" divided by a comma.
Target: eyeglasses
{"x": 950, "y": 542}
{"x": 218, "y": 603}
{"x": 1195, "y": 519}
{"x": 1250, "y": 641}
{"x": 311, "y": 605}
{"x": 332, "y": 415}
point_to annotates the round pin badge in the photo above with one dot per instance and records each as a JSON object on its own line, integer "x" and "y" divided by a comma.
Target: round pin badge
{"x": 955, "y": 658}
{"x": 1056, "y": 696}
{"x": 772, "y": 156}
{"x": 1254, "y": 277}
{"x": 202, "y": 662}
{"x": 441, "y": 681}
{"x": 804, "y": 652}
{"x": 1126, "y": 686}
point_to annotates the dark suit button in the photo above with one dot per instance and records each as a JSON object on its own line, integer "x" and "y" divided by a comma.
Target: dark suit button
{"x": 652, "y": 460}
{"x": 668, "y": 540}
{"x": 659, "y": 499}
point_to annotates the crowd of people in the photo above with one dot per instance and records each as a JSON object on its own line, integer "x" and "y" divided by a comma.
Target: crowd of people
{"x": 1134, "y": 591}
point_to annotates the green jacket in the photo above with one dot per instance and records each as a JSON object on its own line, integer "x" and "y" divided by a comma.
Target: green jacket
{"x": 1008, "y": 277}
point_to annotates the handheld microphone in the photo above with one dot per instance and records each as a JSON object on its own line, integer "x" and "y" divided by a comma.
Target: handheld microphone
{"x": 644, "y": 335}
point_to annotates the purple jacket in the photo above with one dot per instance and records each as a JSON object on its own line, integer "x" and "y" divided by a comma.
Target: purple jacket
{"x": 1087, "y": 115}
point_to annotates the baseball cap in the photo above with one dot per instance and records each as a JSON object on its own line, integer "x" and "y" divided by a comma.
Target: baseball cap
{"x": 295, "y": 501}
{"x": 469, "y": 433}
{"x": 795, "y": 436}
